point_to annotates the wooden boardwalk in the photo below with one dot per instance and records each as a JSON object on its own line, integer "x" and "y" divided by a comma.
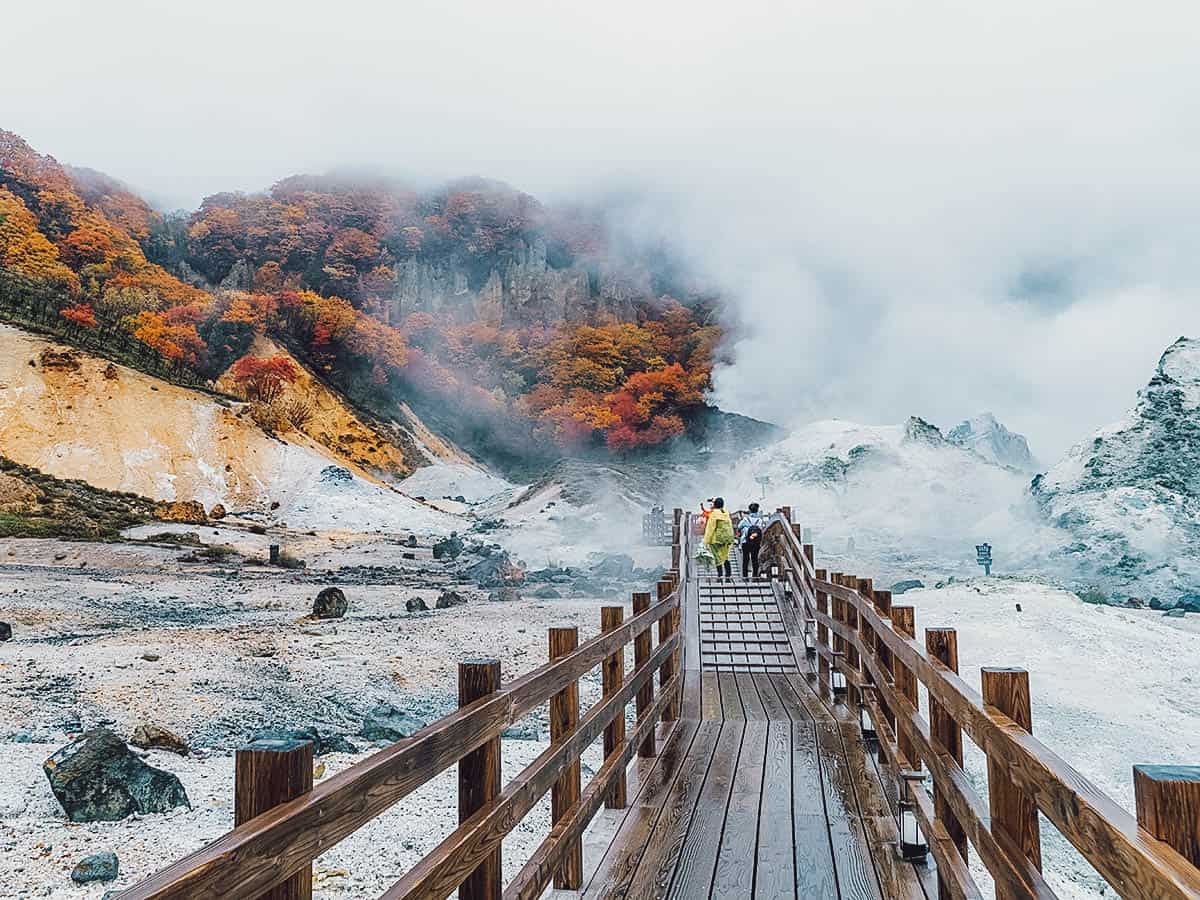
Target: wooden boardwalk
{"x": 760, "y": 791}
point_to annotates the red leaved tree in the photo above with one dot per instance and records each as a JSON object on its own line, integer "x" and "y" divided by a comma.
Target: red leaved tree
{"x": 264, "y": 380}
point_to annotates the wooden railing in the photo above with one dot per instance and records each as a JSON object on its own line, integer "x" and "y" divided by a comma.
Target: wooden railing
{"x": 283, "y": 823}
{"x": 866, "y": 654}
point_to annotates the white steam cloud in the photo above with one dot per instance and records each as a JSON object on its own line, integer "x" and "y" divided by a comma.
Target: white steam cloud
{"x": 920, "y": 207}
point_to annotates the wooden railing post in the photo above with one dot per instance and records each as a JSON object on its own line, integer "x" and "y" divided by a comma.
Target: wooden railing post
{"x": 479, "y": 776}
{"x": 850, "y": 611}
{"x": 904, "y": 621}
{"x": 266, "y": 774}
{"x": 612, "y": 677}
{"x": 666, "y": 627}
{"x": 822, "y": 634}
{"x": 564, "y": 718}
{"x": 641, "y": 653}
{"x": 1012, "y": 809}
{"x": 942, "y": 644}
{"x": 1168, "y": 806}
{"x": 883, "y": 605}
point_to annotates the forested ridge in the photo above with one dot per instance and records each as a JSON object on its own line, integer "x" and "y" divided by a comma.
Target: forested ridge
{"x": 533, "y": 326}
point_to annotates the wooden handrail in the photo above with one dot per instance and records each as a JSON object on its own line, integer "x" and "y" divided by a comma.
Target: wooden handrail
{"x": 1133, "y": 861}
{"x": 270, "y": 848}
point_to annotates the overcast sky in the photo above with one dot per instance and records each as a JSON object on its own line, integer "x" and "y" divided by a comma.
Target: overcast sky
{"x": 918, "y": 207}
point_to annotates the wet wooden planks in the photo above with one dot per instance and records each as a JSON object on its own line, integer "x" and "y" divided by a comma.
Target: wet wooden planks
{"x": 758, "y": 793}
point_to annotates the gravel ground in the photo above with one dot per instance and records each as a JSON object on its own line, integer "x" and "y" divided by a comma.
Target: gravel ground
{"x": 119, "y": 634}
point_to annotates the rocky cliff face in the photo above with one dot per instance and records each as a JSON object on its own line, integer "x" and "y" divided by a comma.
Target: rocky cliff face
{"x": 995, "y": 443}
{"x": 1130, "y": 496}
{"x": 523, "y": 288}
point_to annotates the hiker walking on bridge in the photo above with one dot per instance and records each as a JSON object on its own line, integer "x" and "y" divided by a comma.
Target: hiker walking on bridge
{"x": 750, "y": 535}
{"x": 718, "y": 535}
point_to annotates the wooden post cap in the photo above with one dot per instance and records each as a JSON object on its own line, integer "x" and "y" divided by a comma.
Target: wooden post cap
{"x": 1168, "y": 806}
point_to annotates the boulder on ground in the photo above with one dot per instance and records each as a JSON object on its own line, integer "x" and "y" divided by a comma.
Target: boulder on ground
{"x": 331, "y": 603}
{"x": 450, "y": 548}
{"x": 217, "y": 512}
{"x": 323, "y": 742}
{"x": 5, "y": 631}
{"x": 190, "y": 512}
{"x": 387, "y": 723}
{"x": 65, "y": 359}
{"x": 1189, "y": 603}
{"x": 111, "y": 373}
{"x": 495, "y": 570}
{"x": 546, "y": 592}
{"x": 97, "y": 867}
{"x": 97, "y": 778}
{"x": 505, "y": 595}
{"x": 448, "y": 599}
{"x": 416, "y": 604}
{"x": 908, "y": 585}
{"x": 1176, "y": 613}
{"x": 412, "y": 541}
{"x": 618, "y": 565}
{"x": 150, "y": 736}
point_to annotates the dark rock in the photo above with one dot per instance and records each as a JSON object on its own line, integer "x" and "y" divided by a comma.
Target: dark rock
{"x": 97, "y": 778}
{"x": 450, "y": 548}
{"x": 416, "y": 604}
{"x": 459, "y": 498}
{"x": 1189, "y": 603}
{"x": 1155, "y": 603}
{"x": 331, "y": 603}
{"x": 323, "y": 742}
{"x": 448, "y": 599}
{"x": 547, "y": 593}
{"x": 616, "y": 566}
{"x": 148, "y": 735}
{"x": 412, "y": 541}
{"x": 505, "y": 595}
{"x": 5, "y": 631}
{"x": 387, "y": 723}
{"x": 910, "y": 584}
{"x": 495, "y": 570}
{"x": 97, "y": 867}
{"x": 408, "y": 556}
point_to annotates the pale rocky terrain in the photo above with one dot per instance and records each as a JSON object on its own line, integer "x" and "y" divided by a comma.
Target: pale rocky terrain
{"x": 120, "y": 634}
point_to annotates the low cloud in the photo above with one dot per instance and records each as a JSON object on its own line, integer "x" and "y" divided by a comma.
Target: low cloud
{"x": 925, "y": 208}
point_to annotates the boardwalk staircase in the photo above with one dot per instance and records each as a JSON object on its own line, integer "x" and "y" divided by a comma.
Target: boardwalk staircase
{"x": 786, "y": 737}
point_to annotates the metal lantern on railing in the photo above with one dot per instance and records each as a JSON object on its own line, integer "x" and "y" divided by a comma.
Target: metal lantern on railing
{"x": 912, "y": 842}
{"x": 866, "y": 725}
{"x": 838, "y": 679}
{"x": 774, "y": 571}
{"x": 810, "y": 638}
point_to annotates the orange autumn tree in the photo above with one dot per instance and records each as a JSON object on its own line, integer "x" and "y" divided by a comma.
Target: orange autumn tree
{"x": 264, "y": 379}
{"x": 81, "y": 315}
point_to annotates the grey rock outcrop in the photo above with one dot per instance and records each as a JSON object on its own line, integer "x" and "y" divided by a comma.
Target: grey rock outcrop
{"x": 1129, "y": 497}
{"x": 995, "y": 443}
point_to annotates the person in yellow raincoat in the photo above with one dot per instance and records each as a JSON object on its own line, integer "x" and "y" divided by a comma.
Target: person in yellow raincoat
{"x": 718, "y": 535}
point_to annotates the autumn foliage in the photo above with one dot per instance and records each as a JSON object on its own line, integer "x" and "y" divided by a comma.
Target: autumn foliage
{"x": 315, "y": 265}
{"x": 264, "y": 380}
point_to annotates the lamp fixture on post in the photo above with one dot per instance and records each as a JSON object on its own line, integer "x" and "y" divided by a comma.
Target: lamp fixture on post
{"x": 865, "y": 723}
{"x": 912, "y": 842}
{"x": 810, "y": 638}
{"x": 774, "y": 571}
{"x": 837, "y": 679}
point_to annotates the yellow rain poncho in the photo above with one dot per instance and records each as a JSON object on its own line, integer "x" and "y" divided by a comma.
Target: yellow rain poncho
{"x": 718, "y": 534}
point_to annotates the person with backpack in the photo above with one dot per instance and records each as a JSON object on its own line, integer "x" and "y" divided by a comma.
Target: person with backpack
{"x": 750, "y": 535}
{"x": 719, "y": 537}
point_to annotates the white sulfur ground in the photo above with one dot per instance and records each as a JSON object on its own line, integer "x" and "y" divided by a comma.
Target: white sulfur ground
{"x": 1111, "y": 688}
{"x": 40, "y": 847}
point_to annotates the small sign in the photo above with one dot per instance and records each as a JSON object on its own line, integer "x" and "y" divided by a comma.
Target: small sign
{"x": 983, "y": 555}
